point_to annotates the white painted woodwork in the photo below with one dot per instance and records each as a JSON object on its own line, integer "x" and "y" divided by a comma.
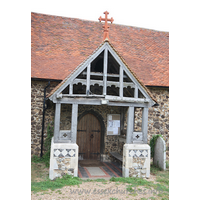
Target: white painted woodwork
{"x": 101, "y": 74}
{"x": 89, "y": 99}
{"x": 57, "y": 122}
{"x": 97, "y": 101}
{"x": 122, "y": 117}
{"x": 100, "y": 83}
{"x": 59, "y": 96}
{"x": 88, "y": 79}
{"x": 82, "y": 95}
{"x": 74, "y": 119}
{"x": 71, "y": 88}
{"x": 121, "y": 82}
{"x": 110, "y": 49}
{"x": 137, "y": 136}
{"x": 105, "y": 47}
{"x": 79, "y": 69}
{"x": 66, "y": 137}
{"x": 136, "y": 92}
{"x": 127, "y": 99}
{"x": 130, "y": 125}
{"x": 105, "y": 62}
{"x": 145, "y": 124}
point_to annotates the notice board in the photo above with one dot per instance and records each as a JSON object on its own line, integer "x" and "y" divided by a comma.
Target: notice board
{"x": 113, "y": 124}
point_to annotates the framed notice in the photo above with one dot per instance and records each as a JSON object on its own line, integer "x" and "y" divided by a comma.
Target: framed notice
{"x": 113, "y": 124}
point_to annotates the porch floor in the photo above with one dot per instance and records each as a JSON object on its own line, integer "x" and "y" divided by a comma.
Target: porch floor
{"x": 105, "y": 170}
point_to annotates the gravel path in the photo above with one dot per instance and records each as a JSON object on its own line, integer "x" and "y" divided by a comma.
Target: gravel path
{"x": 96, "y": 190}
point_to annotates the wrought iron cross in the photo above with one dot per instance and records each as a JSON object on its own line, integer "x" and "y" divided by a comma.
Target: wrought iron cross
{"x": 106, "y": 33}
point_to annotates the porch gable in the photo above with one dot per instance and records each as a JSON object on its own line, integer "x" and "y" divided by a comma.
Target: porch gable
{"x": 105, "y": 76}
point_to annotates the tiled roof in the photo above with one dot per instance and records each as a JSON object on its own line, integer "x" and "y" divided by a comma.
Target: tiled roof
{"x": 60, "y": 44}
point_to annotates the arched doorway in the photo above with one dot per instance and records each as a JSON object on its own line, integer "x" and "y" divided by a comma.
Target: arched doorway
{"x": 89, "y": 137}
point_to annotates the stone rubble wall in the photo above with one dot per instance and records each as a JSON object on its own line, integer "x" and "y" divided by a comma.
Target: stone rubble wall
{"x": 158, "y": 117}
{"x": 158, "y": 122}
{"x": 37, "y": 97}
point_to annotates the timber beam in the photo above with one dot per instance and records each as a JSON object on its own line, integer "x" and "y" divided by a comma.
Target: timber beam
{"x": 95, "y": 101}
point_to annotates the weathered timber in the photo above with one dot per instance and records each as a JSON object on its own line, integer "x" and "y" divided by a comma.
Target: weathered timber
{"x": 145, "y": 124}
{"x": 105, "y": 47}
{"x": 122, "y": 116}
{"x": 82, "y": 95}
{"x": 65, "y": 134}
{"x": 105, "y": 71}
{"x": 101, "y": 74}
{"x": 100, "y": 83}
{"x": 130, "y": 125}
{"x": 79, "y": 70}
{"x": 89, "y": 136}
{"x": 98, "y": 101}
{"x": 136, "y": 92}
{"x": 137, "y": 137}
{"x": 121, "y": 82}
{"x": 74, "y": 120}
{"x": 88, "y": 79}
{"x": 128, "y": 72}
{"x": 57, "y": 122}
{"x": 127, "y": 99}
{"x": 71, "y": 89}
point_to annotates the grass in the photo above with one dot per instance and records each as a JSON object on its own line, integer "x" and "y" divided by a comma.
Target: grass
{"x": 96, "y": 180}
{"x": 161, "y": 187}
{"x": 39, "y": 172}
{"x": 41, "y": 182}
{"x": 133, "y": 181}
{"x": 56, "y": 184}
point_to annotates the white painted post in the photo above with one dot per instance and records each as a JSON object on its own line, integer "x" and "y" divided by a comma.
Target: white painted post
{"x": 88, "y": 79}
{"x": 71, "y": 88}
{"x": 74, "y": 122}
{"x": 57, "y": 122}
{"x": 130, "y": 124}
{"x": 121, "y": 120}
{"x": 144, "y": 124}
{"x": 105, "y": 63}
{"x": 136, "y": 92}
{"x": 121, "y": 82}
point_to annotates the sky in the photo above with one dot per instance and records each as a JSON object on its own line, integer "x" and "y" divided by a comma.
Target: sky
{"x": 150, "y": 14}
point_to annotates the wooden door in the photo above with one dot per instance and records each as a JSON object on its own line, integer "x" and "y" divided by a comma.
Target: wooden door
{"x": 89, "y": 137}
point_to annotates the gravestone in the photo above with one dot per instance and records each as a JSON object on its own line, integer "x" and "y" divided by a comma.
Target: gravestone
{"x": 159, "y": 159}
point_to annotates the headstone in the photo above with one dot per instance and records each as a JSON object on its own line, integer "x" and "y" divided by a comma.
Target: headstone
{"x": 160, "y": 153}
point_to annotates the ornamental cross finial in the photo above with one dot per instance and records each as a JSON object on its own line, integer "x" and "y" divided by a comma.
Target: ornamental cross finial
{"x": 106, "y": 33}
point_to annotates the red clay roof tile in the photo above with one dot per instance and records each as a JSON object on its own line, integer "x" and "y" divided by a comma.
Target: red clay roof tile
{"x": 59, "y": 45}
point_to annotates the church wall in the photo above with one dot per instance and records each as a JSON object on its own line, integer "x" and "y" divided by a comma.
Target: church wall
{"x": 37, "y": 97}
{"x": 158, "y": 117}
{"x": 158, "y": 122}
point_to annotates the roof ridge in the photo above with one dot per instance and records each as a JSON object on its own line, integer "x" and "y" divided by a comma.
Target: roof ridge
{"x": 86, "y": 20}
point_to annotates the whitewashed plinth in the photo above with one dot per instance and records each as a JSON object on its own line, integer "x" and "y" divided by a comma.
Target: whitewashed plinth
{"x": 63, "y": 159}
{"x": 136, "y": 160}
